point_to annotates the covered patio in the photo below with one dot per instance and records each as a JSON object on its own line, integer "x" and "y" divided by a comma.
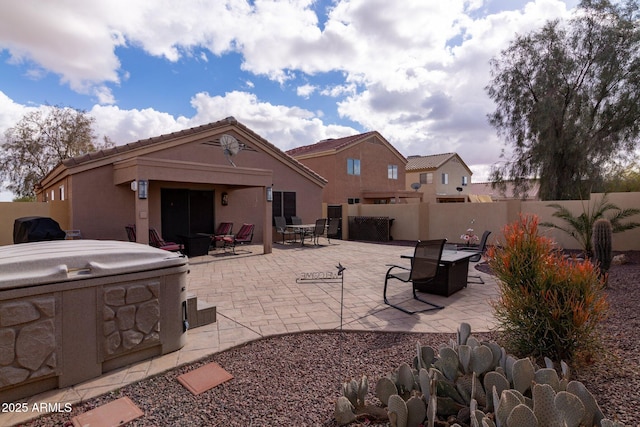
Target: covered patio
{"x": 184, "y": 183}
{"x": 160, "y": 174}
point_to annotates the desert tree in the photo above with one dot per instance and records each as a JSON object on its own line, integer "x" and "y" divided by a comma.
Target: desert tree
{"x": 568, "y": 100}
{"x": 39, "y": 141}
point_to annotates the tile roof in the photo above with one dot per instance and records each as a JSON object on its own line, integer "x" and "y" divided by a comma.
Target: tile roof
{"x": 121, "y": 149}
{"x": 332, "y": 144}
{"x": 433, "y": 161}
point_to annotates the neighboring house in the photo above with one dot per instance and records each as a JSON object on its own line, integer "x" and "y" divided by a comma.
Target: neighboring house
{"x": 496, "y": 194}
{"x": 185, "y": 183}
{"x": 442, "y": 177}
{"x": 362, "y": 168}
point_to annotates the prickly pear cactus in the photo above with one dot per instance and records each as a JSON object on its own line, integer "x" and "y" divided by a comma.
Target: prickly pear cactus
{"x": 398, "y": 407}
{"x": 343, "y": 411}
{"x": 481, "y": 380}
{"x": 385, "y": 388}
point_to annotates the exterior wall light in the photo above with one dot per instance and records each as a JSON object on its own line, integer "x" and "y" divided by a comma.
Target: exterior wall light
{"x": 142, "y": 188}
{"x": 269, "y": 194}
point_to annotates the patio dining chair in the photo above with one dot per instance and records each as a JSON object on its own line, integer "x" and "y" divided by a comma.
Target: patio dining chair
{"x": 156, "y": 241}
{"x": 319, "y": 230}
{"x": 332, "y": 228}
{"x": 480, "y": 250}
{"x": 244, "y": 236}
{"x": 131, "y": 232}
{"x": 424, "y": 267}
{"x": 281, "y": 227}
{"x": 224, "y": 229}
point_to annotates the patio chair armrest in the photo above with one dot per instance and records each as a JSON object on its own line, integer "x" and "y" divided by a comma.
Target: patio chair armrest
{"x": 466, "y": 249}
{"x": 392, "y": 266}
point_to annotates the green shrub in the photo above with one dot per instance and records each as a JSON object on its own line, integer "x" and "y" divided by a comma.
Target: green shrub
{"x": 580, "y": 227}
{"x": 549, "y": 304}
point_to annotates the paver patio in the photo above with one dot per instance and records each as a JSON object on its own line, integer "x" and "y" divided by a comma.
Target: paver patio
{"x": 257, "y": 296}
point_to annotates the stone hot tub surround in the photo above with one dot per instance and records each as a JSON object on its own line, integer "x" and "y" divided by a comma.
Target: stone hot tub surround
{"x": 28, "y": 339}
{"x": 131, "y": 317}
{"x": 71, "y": 310}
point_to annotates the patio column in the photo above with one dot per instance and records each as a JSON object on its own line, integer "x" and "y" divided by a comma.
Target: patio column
{"x": 142, "y": 216}
{"x": 267, "y": 226}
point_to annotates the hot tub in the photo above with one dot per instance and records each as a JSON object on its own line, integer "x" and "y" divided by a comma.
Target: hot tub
{"x": 71, "y": 310}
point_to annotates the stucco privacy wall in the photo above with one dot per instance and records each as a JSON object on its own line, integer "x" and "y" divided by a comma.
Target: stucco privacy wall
{"x": 412, "y": 221}
{"x": 628, "y": 240}
{"x": 9, "y": 211}
{"x": 450, "y": 220}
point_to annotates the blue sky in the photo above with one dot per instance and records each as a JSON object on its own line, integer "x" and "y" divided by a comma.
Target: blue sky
{"x": 294, "y": 71}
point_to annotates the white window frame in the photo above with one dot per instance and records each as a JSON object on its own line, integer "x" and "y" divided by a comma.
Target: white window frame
{"x": 353, "y": 166}
{"x": 392, "y": 171}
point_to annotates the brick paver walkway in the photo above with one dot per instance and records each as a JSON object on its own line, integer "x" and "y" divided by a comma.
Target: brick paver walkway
{"x": 257, "y": 295}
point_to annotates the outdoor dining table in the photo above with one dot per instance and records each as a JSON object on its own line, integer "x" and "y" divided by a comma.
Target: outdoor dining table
{"x": 302, "y": 229}
{"x": 452, "y": 273}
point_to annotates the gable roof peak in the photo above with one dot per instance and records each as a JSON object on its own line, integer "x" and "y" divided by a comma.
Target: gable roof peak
{"x": 431, "y": 161}
{"x": 333, "y": 144}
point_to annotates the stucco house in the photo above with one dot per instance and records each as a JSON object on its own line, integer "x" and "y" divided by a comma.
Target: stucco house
{"x": 184, "y": 183}
{"x": 362, "y": 168}
{"x": 441, "y": 177}
{"x": 497, "y": 194}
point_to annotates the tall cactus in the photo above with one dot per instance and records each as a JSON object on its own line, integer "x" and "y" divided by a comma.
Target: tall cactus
{"x": 601, "y": 238}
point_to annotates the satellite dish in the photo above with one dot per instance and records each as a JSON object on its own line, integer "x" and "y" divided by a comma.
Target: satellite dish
{"x": 230, "y": 146}
{"x": 416, "y": 186}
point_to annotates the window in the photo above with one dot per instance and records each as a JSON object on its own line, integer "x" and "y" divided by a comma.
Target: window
{"x": 392, "y": 171}
{"x": 465, "y": 180}
{"x": 53, "y": 195}
{"x": 353, "y": 166}
{"x": 284, "y": 204}
{"x": 426, "y": 178}
{"x": 61, "y": 190}
{"x": 353, "y": 200}
{"x": 445, "y": 178}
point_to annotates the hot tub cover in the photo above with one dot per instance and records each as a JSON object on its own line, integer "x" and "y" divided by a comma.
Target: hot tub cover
{"x": 40, "y": 263}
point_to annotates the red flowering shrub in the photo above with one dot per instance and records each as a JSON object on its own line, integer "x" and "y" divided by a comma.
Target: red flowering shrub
{"x": 550, "y": 305}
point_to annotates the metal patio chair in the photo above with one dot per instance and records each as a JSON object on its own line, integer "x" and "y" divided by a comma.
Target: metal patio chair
{"x": 224, "y": 229}
{"x": 281, "y": 227}
{"x": 480, "y": 249}
{"x": 156, "y": 241}
{"x": 424, "y": 267}
{"x": 332, "y": 228}
{"x": 318, "y": 230}
{"x": 244, "y": 236}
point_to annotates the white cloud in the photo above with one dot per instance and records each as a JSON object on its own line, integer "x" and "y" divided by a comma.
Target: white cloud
{"x": 11, "y": 112}
{"x": 284, "y": 126}
{"x": 124, "y": 126}
{"x": 413, "y": 70}
{"x": 305, "y": 91}
{"x": 440, "y": 105}
{"x": 77, "y": 45}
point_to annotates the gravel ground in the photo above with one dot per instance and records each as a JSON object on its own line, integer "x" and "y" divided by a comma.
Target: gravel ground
{"x": 294, "y": 380}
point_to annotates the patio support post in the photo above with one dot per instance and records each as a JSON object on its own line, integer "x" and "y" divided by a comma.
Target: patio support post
{"x": 142, "y": 219}
{"x": 266, "y": 224}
